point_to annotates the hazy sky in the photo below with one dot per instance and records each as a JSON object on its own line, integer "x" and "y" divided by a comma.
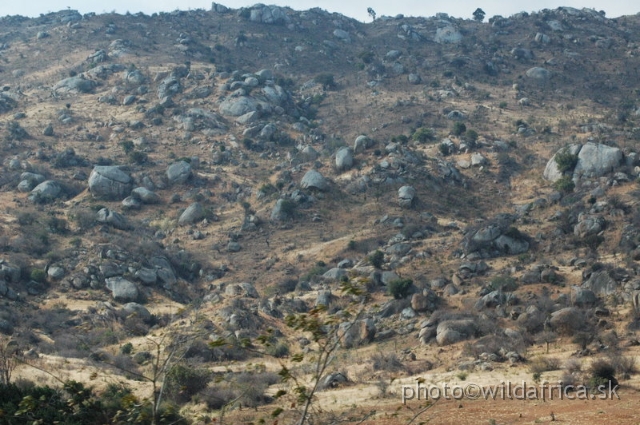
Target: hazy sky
{"x": 356, "y": 9}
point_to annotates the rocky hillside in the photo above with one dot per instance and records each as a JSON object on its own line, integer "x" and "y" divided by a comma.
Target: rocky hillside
{"x": 227, "y": 171}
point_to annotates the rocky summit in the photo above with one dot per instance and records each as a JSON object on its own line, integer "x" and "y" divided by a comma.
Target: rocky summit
{"x": 301, "y": 213}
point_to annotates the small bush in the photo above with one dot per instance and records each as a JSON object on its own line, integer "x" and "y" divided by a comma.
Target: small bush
{"x": 583, "y": 339}
{"x": 625, "y": 365}
{"x": 573, "y": 366}
{"x": 288, "y": 207}
{"x": 399, "y": 288}
{"x": 565, "y": 160}
{"x": 544, "y": 364}
{"x": 445, "y": 149}
{"x": 564, "y": 185}
{"x": 388, "y": 362}
{"x": 137, "y": 157}
{"x": 183, "y": 381}
{"x": 458, "y": 128}
{"x": 423, "y": 134}
{"x": 602, "y": 372}
{"x": 38, "y": 275}
{"x": 503, "y": 283}
{"x": 127, "y": 146}
{"x": 126, "y": 348}
{"x": 278, "y": 350}
{"x": 26, "y": 218}
{"x": 377, "y": 259}
{"x": 326, "y": 80}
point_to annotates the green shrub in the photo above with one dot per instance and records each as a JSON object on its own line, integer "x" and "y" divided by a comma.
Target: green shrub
{"x": 565, "y": 160}
{"x": 288, "y": 207}
{"x": 503, "y": 283}
{"x": 278, "y": 350}
{"x": 458, "y": 128}
{"x": 326, "y": 80}
{"x": 366, "y": 56}
{"x": 126, "y": 348}
{"x": 470, "y": 136}
{"x": 127, "y": 146}
{"x": 564, "y": 185}
{"x": 399, "y": 288}
{"x": 602, "y": 373}
{"x": 502, "y": 105}
{"x": 184, "y": 381}
{"x": 423, "y": 134}
{"x": 137, "y": 157}
{"x": 445, "y": 149}
{"x": 377, "y": 259}
{"x": 38, "y": 275}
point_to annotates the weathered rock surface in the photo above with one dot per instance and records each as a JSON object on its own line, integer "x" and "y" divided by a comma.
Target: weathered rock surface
{"x": 109, "y": 183}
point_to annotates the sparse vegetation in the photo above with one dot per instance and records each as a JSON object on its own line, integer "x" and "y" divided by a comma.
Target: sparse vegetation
{"x": 232, "y": 308}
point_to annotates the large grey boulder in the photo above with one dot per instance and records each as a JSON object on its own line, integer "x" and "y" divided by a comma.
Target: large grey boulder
{"x": 601, "y": 283}
{"x": 358, "y": 333}
{"x": 361, "y": 143}
{"x": 583, "y": 297}
{"x": 510, "y": 245}
{"x": 406, "y": 195}
{"x": 278, "y": 213}
{"x": 109, "y": 183}
{"x": 448, "y": 34}
{"x": 237, "y": 106}
{"x": 275, "y": 95}
{"x": 452, "y": 331}
{"x": 272, "y": 15}
{"x": 46, "y": 191}
{"x": 344, "y": 159}
{"x": 551, "y": 171}
{"x": 567, "y": 320}
{"x": 538, "y": 73}
{"x": 169, "y": 87}
{"x": 589, "y": 225}
{"x": 29, "y": 180}
{"x": 194, "y": 212}
{"x": 179, "y": 172}
{"x": 314, "y": 180}
{"x": 112, "y": 218}
{"x": 145, "y": 195}
{"x": 342, "y": 35}
{"x": 596, "y": 160}
{"x": 77, "y": 84}
{"x": 146, "y": 276}
{"x": 122, "y": 290}
{"x": 335, "y": 273}
{"x": 135, "y": 309}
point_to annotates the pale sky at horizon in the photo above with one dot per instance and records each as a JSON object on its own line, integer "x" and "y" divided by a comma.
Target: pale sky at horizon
{"x": 355, "y": 9}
